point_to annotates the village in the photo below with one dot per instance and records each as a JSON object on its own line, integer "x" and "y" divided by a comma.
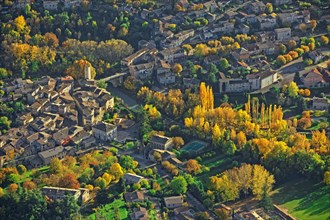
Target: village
{"x": 132, "y": 123}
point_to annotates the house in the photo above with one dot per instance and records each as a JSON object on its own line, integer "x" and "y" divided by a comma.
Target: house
{"x": 313, "y": 78}
{"x": 320, "y": 103}
{"x": 287, "y": 19}
{"x": 283, "y": 34}
{"x": 130, "y": 59}
{"x": 164, "y": 74}
{"x": 262, "y": 79}
{"x": 173, "y": 202}
{"x": 184, "y": 213}
{"x": 166, "y": 78}
{"x": 256, "y": 7}
{"x": 172, "y": 55}
{"x": 142, "y": 71}
{"x": 51, "y": 5}
{"x": 130, "y": 178}
{"x": 140, "y": 213}
{"x": 315, "y": 55}
{"x": 281, "y": 2}
{"x": 266, "y": 22}
{"x": 241, "y": 54}
{"x": 191, "y": 82}
{"x": 160, "y": 142}
{"x": 104, "y": 131}
{"x": 136, "y": 196}
{"x": 242, "y": 29}
{"x": 211, "y": 6}
{"x": 20, "y": 4}
{"x": 57, "y": 193}
{"x": 252, "y": 82}
{"x": 56, "y": 152}
{"x": 224, "y": 27}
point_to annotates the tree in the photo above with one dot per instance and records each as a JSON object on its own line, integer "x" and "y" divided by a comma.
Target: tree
{"x": 127, "y": 162}
{"x": 216, "y": 134}
{"x": 79, "y": 67}
{"x": 179, "y": 185}
{"x": 224, "y": 64}
{"x": 230, "y": 148}
{"x": 130, "y": 83}
{"x": 20, "y": 25}
{"x": 262, "y": 182}
{"x": 293, "y": 90}
{"x": 324, "y": 40}
{"x": 193, "y": 166}
{"x": 292, "y": 44}
{"x": 55, "y": 166}
{"x": 21, "y": 169}
{"x": 12, "y": 188}
{"x": 178, "y": 142}
{"x": 157, "y": 156}
{"x": 177, "y": 68}
{"x": 201, "y": 50}
{"x": 326, "y": 179}
{"x": 313, "y": 24}
{"x": 269, "y": 8}
{"x": 116, "y": 170}
{"x": 241, "y": 139}
{"x": 102, "y": 84}
{"x": 280, "y": 60}
{"x": 29, "y": 185}
{"x": 69, "y": 181}
{"x": 65, "y": 208}
{"x": 100, "y": 182}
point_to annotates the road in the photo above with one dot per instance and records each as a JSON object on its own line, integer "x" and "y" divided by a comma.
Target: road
{"x": 198, "y": 205}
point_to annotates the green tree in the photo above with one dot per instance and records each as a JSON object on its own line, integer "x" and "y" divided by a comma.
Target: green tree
{"x": 65, "y": 208}
{"x": 102, "y": 84}
{"x": 224, "y": 64}
{"x": 179, "y": 185}
{"x": 127, "y": 162}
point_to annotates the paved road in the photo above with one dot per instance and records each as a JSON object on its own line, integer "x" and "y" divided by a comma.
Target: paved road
{"x": 198, "y": 205}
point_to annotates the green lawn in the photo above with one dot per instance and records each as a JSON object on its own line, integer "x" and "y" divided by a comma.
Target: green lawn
{"x": 304, "y": 199}
{"x": 107, "y": 210}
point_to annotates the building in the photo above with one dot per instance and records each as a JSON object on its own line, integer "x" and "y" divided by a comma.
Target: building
{"x": 57, "y": 193}
{"x": 266, "y": 22}
{"x": 51, "y": 5}
{"x": 283, "y": 34}
{"x": 160, "y": 142}
{"x": 130, "y": 178}
{"x": 320, "y": 103}
{"x": 314, "y": 78}
{"x": 140, "y": 213}
{"x": 48, "y": 155}
{"x": 256, "y": 7}
{"x": 136, "y": 196}
{"x": 142, "y": 71}
{"x": 281, "y": 2}
{"x": 130, "y": 59}
{"x": 173, "y": 202}
{"x": 172, "y": 55}
{"x": 252, "y": 82}
{"x": 315, "y": 55}
{"x": 104, "y": 131}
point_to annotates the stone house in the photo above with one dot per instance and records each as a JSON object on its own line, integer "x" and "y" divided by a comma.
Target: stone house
{"x": 283, "y": 34}
{"x": 173, "y": 202}
{"x": 161, "y": 142}
{"x": 104, "y": 131}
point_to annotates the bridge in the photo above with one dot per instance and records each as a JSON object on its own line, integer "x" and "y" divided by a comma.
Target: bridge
{"x": 116, "y": 79}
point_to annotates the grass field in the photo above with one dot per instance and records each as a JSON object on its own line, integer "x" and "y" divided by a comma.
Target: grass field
{"x": 304, "y": 199}
{"x": 107, "y": 211}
